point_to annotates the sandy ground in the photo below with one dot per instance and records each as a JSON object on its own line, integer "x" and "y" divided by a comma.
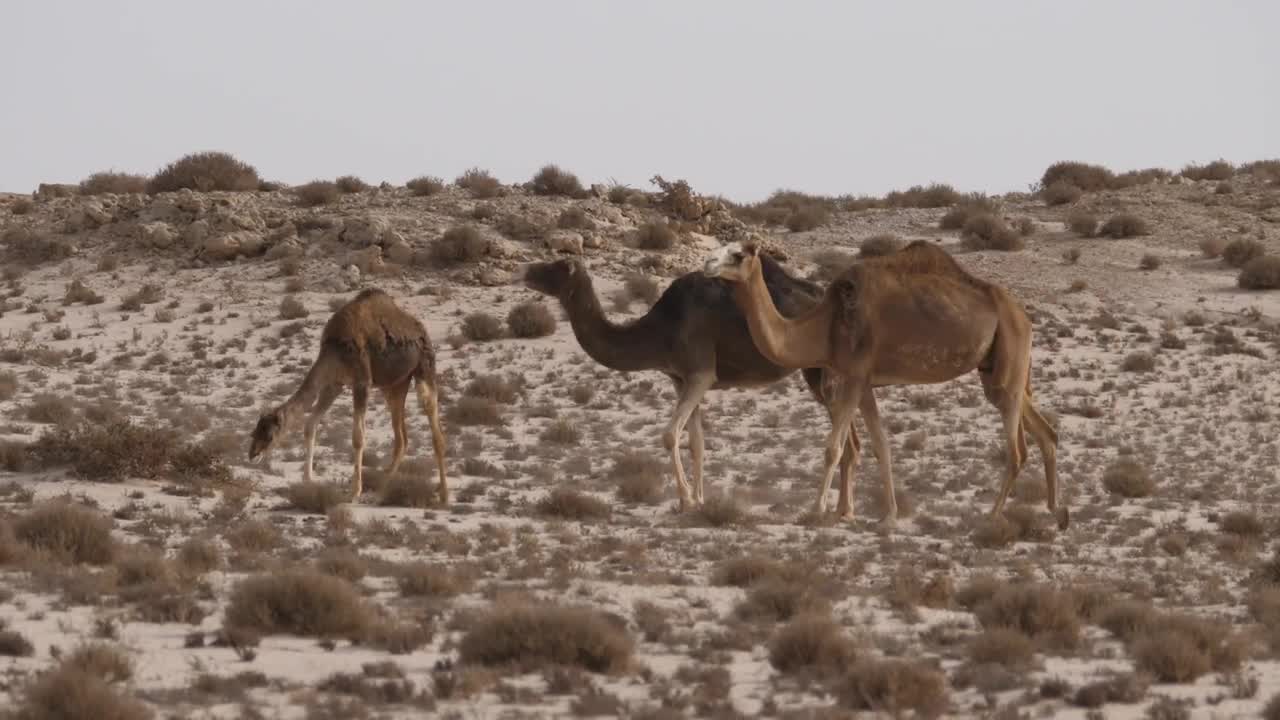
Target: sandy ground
{"x": 1202, "y": 422}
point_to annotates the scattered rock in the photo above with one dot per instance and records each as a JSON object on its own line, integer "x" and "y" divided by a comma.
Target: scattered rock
{"x": 565, "y": 241}
{"x": 156, "y": 234}
{"x": 196, "y": 233}
{"x": 593, "y": 240}
{"x": 365, "y": 231}
{"x": 366, "y": 260}
{"x": 492, "y": 276}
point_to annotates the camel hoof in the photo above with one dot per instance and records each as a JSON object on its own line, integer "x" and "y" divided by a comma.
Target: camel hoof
{"x": 846, "y": 516}
{"x": 1064, "y": 518}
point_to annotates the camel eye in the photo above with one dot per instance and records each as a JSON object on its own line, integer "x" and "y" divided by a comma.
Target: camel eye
{"x": 737, "y": 257}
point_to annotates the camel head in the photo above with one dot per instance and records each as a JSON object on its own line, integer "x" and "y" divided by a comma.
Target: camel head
{"x": 265, "y": 434}
{"x": 551, "y": 278}
{"x": 733, "y": 262}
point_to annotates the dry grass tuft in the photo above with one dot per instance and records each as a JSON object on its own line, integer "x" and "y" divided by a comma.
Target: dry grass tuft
{"x": 481, "y": 327}
{"x": 205, "y": 172}
{"x": 460, "y": 244}
{"x": 894, "y": 687}
{"x": 531, "y": 319}
{"x": 569, "y": 504}
{"x": 1216, "y": 170}
{"x": 1124, "y": 225}
{"x": 68, "y": 692}
{"x": 314, "y": 497}
{"x": 492, "y": 387}
{"x": 532, "y": 636}
{"x": 113, "y": 183}
{"x": 301, "y": 602}
{"x": 1139, "y": 361}
{"x": 317, "y": 193}
{"x": 551, "y": 180}
{"x": 101, "y": 660}
{"x": 425, "y": 185}
{"x": 349, "y": 184}
{"x": 656, "y": 236}
{"x": 68, "y": 532}
{"x": 1061, "y": 193}
{"x": 562, "y": 431}
{"x": 639, "y": 478}
{"x": 985, "y": 231}
{"x": 1260, "y": 273}
{"x": 812, "y": 643}
{"x": 1084, "y": 224}
{"x": 1128, "y": 478}
{"x": 479, "y": 183}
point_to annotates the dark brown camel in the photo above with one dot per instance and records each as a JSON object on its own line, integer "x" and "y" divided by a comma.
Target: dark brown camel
{"x": 698, "y": 337}
{"x": 369, "y": 342}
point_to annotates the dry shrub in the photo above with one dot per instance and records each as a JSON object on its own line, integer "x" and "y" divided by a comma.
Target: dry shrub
{"x": 291, "y": 308}
{"x": 1128, "y": 478}
{"x": 551, "y": 180}
{"x": 314, "y": 497}
{"x": 1061, "y": 193}
{"x": 67, "y": 692}
{"x": 531, "y": 636}
{"x": 113, "y": 183}
{"x": 481, "y": 327}
{"x": 1046, "y": 615}
{"x": 808, "y": 217}
{"x": 531, "y": 319}
{"x": 1260, "y": 273}
{"x": 77, "y": 291}
{"x": 405, "y": 490}
{"x": 1149, "y": 262}
{"x": 971, "y": 206}
{"x": 894, "y": 687}
{"x": 574, "y": 218}
{"x": 474, "y": 411}
{"x": 1084, "y": 176}
{"x": 1084, "y": 224}
{"x": 300, "y": 602}
{"x": 197, "y": 556}
{"x": 1139, "y": 361}
{"x": 425, "y": 185}
{"x": 1124, "y": 225}
{"x": 655, "y": 236}
{"x": 831, "y": 262}
{"x": 348, "y": 184}
{"x": 519, "y": 227}
{"x": 1216, "y": 170}
{"x": 879, "y": 245}
{"x": 639, "y": 478}
{"x": 985, "y": 231}
{"x": 1004, "y": 646}
{"x": 747, "y": 570}
{"x": 935, "y": 195}
{"x": 1180, "y": 648}
{"x": 812, "y": 643}
{"x": 1239, "y": 252}
{"x": 562, "y": 432}
{"x": 492, "y": 387}
{"x": 316, "y": 193}
{"x": 117, "y": 450}
{"x": 720, "y": 511}
{"x": 31, "y": 247}
{"x": 13, "y": 456}
{"x": 101, "y": 660}
{"x": 1018, "y": 523}
{"x": 1122, "y": 688}
{"x": 1212, "y": 248}
{"x": 421, "y": 579}
{"x": 205, "y": 172}
{"x": 15, "y": 644}
{"x": 1243, "y": 523}
{"x": 22, "y": 206}
{"x": 8, "y": 385}
{"x": 639, "y": 286}
{"x": 50, "y": 409}
{"x": 479, "y": 183}
{"x": 569, "y": 504}
{"x": 779, "y": 600}
{"x": 68, "y": 532}
{"x": 460, "y": 244}
{"x": 343, "y": 562}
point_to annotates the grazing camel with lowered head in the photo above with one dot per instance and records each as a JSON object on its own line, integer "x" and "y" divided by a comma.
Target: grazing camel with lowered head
{"x": 697, "y": 336}
{"x": 909, "y": 318}
{"x": 369, "y": 342}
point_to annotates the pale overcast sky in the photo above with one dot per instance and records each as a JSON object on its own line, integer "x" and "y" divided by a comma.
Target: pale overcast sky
{"x": 740, "y": 97}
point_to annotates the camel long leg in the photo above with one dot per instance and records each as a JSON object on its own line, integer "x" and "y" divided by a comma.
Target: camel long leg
{"x": 843, "y": 405}
{"x": 880, "y": 448}
{"x": 848, "y": 460}
{"x": 697, "y": 449}
{"x": 395, "y": 397}
{"x": 428, "y": 399}
{"x": 690, "y": 390}
{"x": 1009, "y": 400}
{"x": 1047, "y": 440}
{"x": 323, "y": 402}
{"x": 360, "y": 405}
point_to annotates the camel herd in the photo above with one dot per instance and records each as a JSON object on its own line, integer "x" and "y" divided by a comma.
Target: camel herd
{"x": 911, "y": 317}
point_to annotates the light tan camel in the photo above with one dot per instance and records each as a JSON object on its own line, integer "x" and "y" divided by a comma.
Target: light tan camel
{"x": 696, "y": 336}
{"x": 370, "y": 341}
{"x": 913, "y": 317}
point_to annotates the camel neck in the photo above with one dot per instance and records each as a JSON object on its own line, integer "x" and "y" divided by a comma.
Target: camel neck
{"x": 305, "y": 396}
{"x": 790, "y": 343}
{"x": 630, "y": 347}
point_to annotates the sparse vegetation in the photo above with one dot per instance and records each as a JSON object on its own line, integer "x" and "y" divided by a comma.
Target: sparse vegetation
{"x": 317, "y": 192}
{"x": 113, "y": 183}
{"x": 531, "y": 636}
{"x": 812, "y": 643}
{"x": 656, "y": 236}
{"x": 459, "y": 244}
{"x": 531, "y": 319}
{"x": 300, "y": 602}
{"x": 68, "y": 532}
{"x": 1061, "y": 193}
{"x": 350, "y": 184}
{"x": 569, "y": 504}
{"x": 985, "y": 231}
{"x": 551, "y": 180}
{"x": 481, "y": 327}
{"x": 1082, "y": 223}
{"x": 425, "y": 185}
{"x": 1260, "y": 273}
{"x": 205, "y": 172}
{"x": 1240, "y": 251}
{"x": 1128, "y": 478}
{"x": 1123, "y": 225}
{"x": 1216, "y": 170}
{"x": 479, "y": 183}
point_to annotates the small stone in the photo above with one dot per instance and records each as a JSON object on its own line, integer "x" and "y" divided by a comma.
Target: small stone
{"x": 156, "y": 234}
